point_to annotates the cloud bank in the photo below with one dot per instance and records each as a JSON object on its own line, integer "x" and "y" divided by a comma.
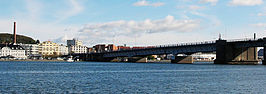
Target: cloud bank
{"x": 259, "y": 25}
{"x": 261, "y": 14}
{"x": 75, "y": 8}
{"x": 246, "y": 2}
{"x": 195, "y": 7}
{"x": 213, "y": 2}
{"x": 147, "y": 3}
{"x": 106, "y": 31}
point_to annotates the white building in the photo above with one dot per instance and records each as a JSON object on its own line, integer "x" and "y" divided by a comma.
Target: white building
{"x": 31, "y": 49}
{"x": 12, "y": 51}
{"x": 77, "y": 49}
{"x": 75, "y": 46}
{"x": 62, "y": 49}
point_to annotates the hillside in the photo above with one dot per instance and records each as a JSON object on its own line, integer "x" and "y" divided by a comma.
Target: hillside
{"x": 8, "y": 38}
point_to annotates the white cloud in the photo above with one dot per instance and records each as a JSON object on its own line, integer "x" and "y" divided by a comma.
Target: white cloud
{"x": 34, "y": 8}
{"x": 30, "y": 23}
{"x": 261, "y": 14}
{"x": 246, "y": 2}
{"x": 147, "y": 3}
{"x": 213, "y": 2}
{"x": 62, "y": 39}
{"x": 259, "y": 25}
{"x": 36, "y": 30}
{"x": 6, "y": 26}
{"x": 104, "y": 32}
{"x": 76, "y": 8}
{"x": 213, "y": 20}
{"x": 195, "y": 7}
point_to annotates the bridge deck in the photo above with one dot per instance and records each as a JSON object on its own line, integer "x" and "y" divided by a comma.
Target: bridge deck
{"x": 184, "y": 48}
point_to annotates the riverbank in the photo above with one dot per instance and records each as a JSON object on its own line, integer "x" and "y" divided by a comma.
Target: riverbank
{"x": 169, "y": 61}
{"x": 37, "y": 60}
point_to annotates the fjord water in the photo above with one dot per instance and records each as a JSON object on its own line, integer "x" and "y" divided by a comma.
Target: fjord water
{"x": 97, "y": 77}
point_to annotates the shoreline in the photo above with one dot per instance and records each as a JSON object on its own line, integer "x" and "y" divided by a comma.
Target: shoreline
{"x": 149, "y": 61}
{"x": 37, "y": 60}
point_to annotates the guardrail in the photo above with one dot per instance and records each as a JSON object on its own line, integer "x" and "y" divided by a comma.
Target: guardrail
{"x": 245, "y": 39}
{"x": 186, "y": 44}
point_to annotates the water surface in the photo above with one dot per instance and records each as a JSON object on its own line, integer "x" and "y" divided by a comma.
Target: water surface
{"x": 95, "y": 77}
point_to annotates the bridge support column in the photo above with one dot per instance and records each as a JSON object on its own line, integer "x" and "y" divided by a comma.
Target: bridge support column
{"x": 138, "y": 59}
{"x": 264, "y": 56}
{"x": 229, "y": 54}
{"x": 117, "y": 59}
{"x": 182, "y": 60}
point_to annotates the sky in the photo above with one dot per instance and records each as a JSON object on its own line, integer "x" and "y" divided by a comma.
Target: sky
{"x": 134, "y": 22}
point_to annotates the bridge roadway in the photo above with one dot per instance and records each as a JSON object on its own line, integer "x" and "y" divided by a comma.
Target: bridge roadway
{"x": 186, "y": 48}
{"x": 242, "y": 51}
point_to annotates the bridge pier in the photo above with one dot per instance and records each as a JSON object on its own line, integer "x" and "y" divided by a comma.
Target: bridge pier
{"x": 120, "y": 59}
{"x": 138, "y": 59}
{"x": 117, "y": 59}
{"x": 229, "y": 54}
{"x": 264, "y": 56}
{"x": 182, "y": 60}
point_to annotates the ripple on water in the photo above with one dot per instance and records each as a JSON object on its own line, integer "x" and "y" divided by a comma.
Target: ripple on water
{"x": 55, "y": 77}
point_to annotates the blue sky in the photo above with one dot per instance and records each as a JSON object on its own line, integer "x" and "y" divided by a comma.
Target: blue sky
{"x": 134, "y": 22}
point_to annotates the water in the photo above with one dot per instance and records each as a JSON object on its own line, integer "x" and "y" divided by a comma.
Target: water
{"x": 93, "y": 77}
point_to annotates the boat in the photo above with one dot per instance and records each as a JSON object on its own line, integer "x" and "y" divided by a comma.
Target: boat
{"x": 70, "y": 59}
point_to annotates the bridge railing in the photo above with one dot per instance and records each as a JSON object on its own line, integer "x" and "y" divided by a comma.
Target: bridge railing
{"x": 169, "y": 45}
{"x": 245, "y": 39}
{"x": 186, "y": 44}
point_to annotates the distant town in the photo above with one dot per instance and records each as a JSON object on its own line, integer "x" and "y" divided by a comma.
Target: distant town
{"x": 49, "y": 50}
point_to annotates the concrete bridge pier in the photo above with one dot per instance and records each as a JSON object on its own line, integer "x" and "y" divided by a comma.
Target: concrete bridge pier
{"x": 264, "y": 56}
{"x": 264, "y": 52}
{"x": 138, "y": 59}
{"x": 182, "y": 60}
{"x": 119, "y": 59}
{"x": 229, "y": 54}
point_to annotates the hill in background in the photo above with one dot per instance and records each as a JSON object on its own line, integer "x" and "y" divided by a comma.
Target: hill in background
{"x": 8, "y": 38}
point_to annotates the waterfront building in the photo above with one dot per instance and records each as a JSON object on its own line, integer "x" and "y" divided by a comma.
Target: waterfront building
{"x": 76, "y": 46}
{"x": 111, "y": 47}
{"x": 105, "y": 48}
{"x": 100, "y": 48}
{"x": 48, "y": 48}
{"x": 31, "y": 50}
{"x": 63, "y": 50}
{"x": 77, "y": 49}
{"x": 74, "y": 42}
{"x": 12, "y": 51}
{"x": 91, "y": 50}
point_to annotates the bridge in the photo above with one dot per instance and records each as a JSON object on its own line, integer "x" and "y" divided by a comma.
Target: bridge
{"x": 243, "y": 51}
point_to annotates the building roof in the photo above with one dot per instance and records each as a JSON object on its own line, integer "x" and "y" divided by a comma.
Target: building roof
{"x": 12, "y": 46}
